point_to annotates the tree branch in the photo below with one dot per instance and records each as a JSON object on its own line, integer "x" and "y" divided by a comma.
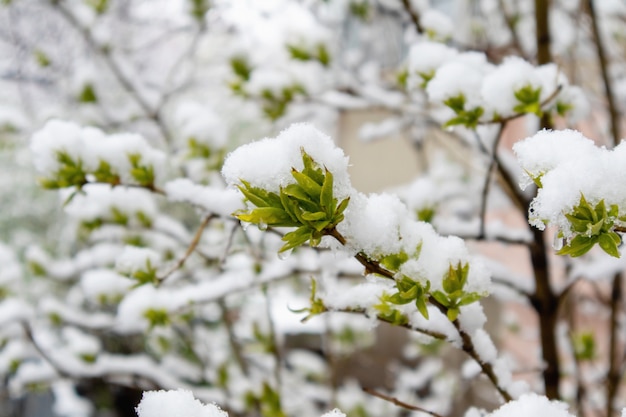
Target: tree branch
{"x": 125, "y": 82}
{"x": 467, "y": 344}
{"x": 413, "y": 15}
{"x": 192, "y": 247}
{"x": 399, "y": 403}
{"x": 604, "y": 69}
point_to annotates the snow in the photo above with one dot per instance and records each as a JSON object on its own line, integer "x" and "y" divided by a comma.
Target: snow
{"x": 80, "y": 343}
{"x": 175, "y": 403}
{"x": 499, "y": 86}
{"x": 426, "y": 57}
{"x": 267, "y": 163}
{"x": 456, "y": 79}
{"x": 99, "y": 284}
{"x": 200, "y": 123}
{"x": 135, "y": 259}
{"x": 532, "y": 405}
{"x": 223, "y": 202}
{"x": 547, "y": 149}
{"x": 98, "y": 201}
{"x": 373, "y": 224}
{"x": 56, "y": 136}
{"x": 14, "y": 351}
{"x": 274, "y": 80}
{"x": 67, "y": 402}
{"x": 371, "y": 131}
{"x": 438, "y": 25}
{"x": 334, "y": 413}
{"x": 484, "y": 346}
{"x": 89, "y": 146}
{"x": 13, "y": 310}
{"x": 568, "y": 165}
{"x": 131, "y": 313}
{"x": 72, "y": 315}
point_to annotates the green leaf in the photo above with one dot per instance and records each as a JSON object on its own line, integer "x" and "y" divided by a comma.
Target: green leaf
{"x": 157, "y": 317}
{"x": 241, "y": 67}
{"x": 420, "y": 304}
{"x": 326, "y": 194}
{"x": 298, "y": 53}
{"x": 441, "y": 298}
{"x": 452, "y": 313}
{"x": 608, "y": 242}
{"x": 584, "y": 346}
{"x": 42, "y": 59}
{"x": 312, "y": 188}
{"x": 119, "y": 217}
{"x": 323, "y": 56}
{"x": 397, "y": 298}
{"x": 563, "y": 108}
{"x": 342, "y": 206}
{"x": 311, "y": 169}
{"x": 88, "y": 94}
{"x": 457, "y": 104}
{"x": 295, "y": 238}
{"x": 297, "y": 192}
{"x": 257, "y": 196}
{"x": 402, "y": 78}
{"x": 313, "y": 216}
{"x": 394, "y": 261}
{"x": 426, "y": 214}
{"x": 269, "y": 216}
{"x": 105, "y": 173}
{"x": 469, "y": 298}
{"x": 578, "y": 246}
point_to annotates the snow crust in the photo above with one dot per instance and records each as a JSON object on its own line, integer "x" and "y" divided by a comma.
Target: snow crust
{"x": 568, "y": 165}
{"x": 532, "y": 405}
{"x": 223, "y": 202}
{"x": 89, "y": 147}
{"x": 267, "y": 163}
{"x": 175, "y": 403}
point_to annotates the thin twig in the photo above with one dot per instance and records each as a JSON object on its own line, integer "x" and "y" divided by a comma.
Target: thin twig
{"x": 53, "y": 362}
{"x": 487, "y": 182}
{"x": 604, "y": 69}
{"x": 413, "y": 15}
{"x": 614, "y": 373}
{"x": 542, "y": 31}
{"x": 276, "y": 351}
{"x": 190, "y": 249}
{"x": 543, "y": 103}
{"x": 511, "y": 22}
{"x": 399, "y": 403}
{"x": 125, "y": 81}
{"x": 232, "y": 338}
{"x": 362, "y": 311}
{"x": 467, "y": 343}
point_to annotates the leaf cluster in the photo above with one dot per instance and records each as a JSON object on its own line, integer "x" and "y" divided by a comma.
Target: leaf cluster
{"x": 319, "y": 53}
{"x": 157, "y": 317}
{"x": 275, "y": 105}
{"x": 584, "y": 345}
{"x": 454, "y": 296}
{"x": 143, "y": 174}
{"x": 214, "y": 157}
{"x": 529, "y": 100}
{"x": 316, "y": 304}
{"x": 70, "y": 173}
{"x": 309, "y": 205}
{"x": 591, "y": 225}
{"x": 463, "y": 116}
{"x": 410, "y": 291}
{"x": 267, "y": 402}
